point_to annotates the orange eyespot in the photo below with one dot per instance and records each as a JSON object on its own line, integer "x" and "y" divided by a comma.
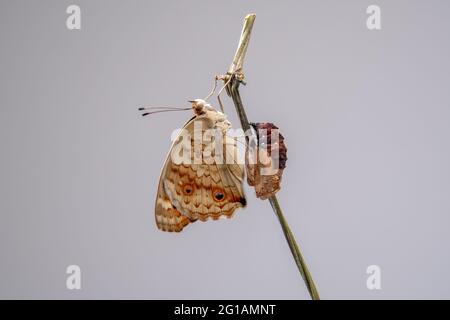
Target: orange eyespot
{"x": 218, "y": 194}
{"x": 188, "y": 189}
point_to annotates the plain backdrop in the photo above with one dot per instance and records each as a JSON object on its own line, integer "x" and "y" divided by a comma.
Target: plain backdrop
{"x": 365, "y": 115}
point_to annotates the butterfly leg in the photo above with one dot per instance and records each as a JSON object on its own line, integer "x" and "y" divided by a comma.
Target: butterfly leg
{"x": 213, "y": 89}
{"x": 221, "y": 77}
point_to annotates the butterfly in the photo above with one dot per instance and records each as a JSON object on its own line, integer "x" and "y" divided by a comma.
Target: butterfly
{"x": 189, "y": 191}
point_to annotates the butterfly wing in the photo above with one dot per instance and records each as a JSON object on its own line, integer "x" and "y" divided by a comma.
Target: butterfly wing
{"x": 191, "y": 192}
{"x": 167, "y": 217}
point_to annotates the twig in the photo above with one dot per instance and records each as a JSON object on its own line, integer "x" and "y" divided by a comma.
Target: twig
{"x": 236, "y": 73}
{"x": 239, "y": 56}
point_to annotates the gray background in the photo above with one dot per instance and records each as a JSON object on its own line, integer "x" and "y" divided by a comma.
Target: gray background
{"x": 365, "y": 115}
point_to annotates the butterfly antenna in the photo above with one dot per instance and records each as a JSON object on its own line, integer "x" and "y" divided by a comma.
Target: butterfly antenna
{"x": 153, "y": 110}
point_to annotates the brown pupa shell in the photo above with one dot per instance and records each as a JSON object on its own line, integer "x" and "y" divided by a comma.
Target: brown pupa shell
{"x": 265, "y": 159}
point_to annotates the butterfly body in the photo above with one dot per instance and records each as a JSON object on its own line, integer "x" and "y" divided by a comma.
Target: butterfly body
{"x": 191, "y": 190}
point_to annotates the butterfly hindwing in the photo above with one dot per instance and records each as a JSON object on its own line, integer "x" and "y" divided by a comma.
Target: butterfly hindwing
{"x": 188, "y": 192}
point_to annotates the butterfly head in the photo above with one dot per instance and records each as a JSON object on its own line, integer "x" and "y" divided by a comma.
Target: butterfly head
{"x": 200, "y": 106}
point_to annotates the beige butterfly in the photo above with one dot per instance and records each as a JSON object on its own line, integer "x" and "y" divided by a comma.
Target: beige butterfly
{"x": 188, "y": 192}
